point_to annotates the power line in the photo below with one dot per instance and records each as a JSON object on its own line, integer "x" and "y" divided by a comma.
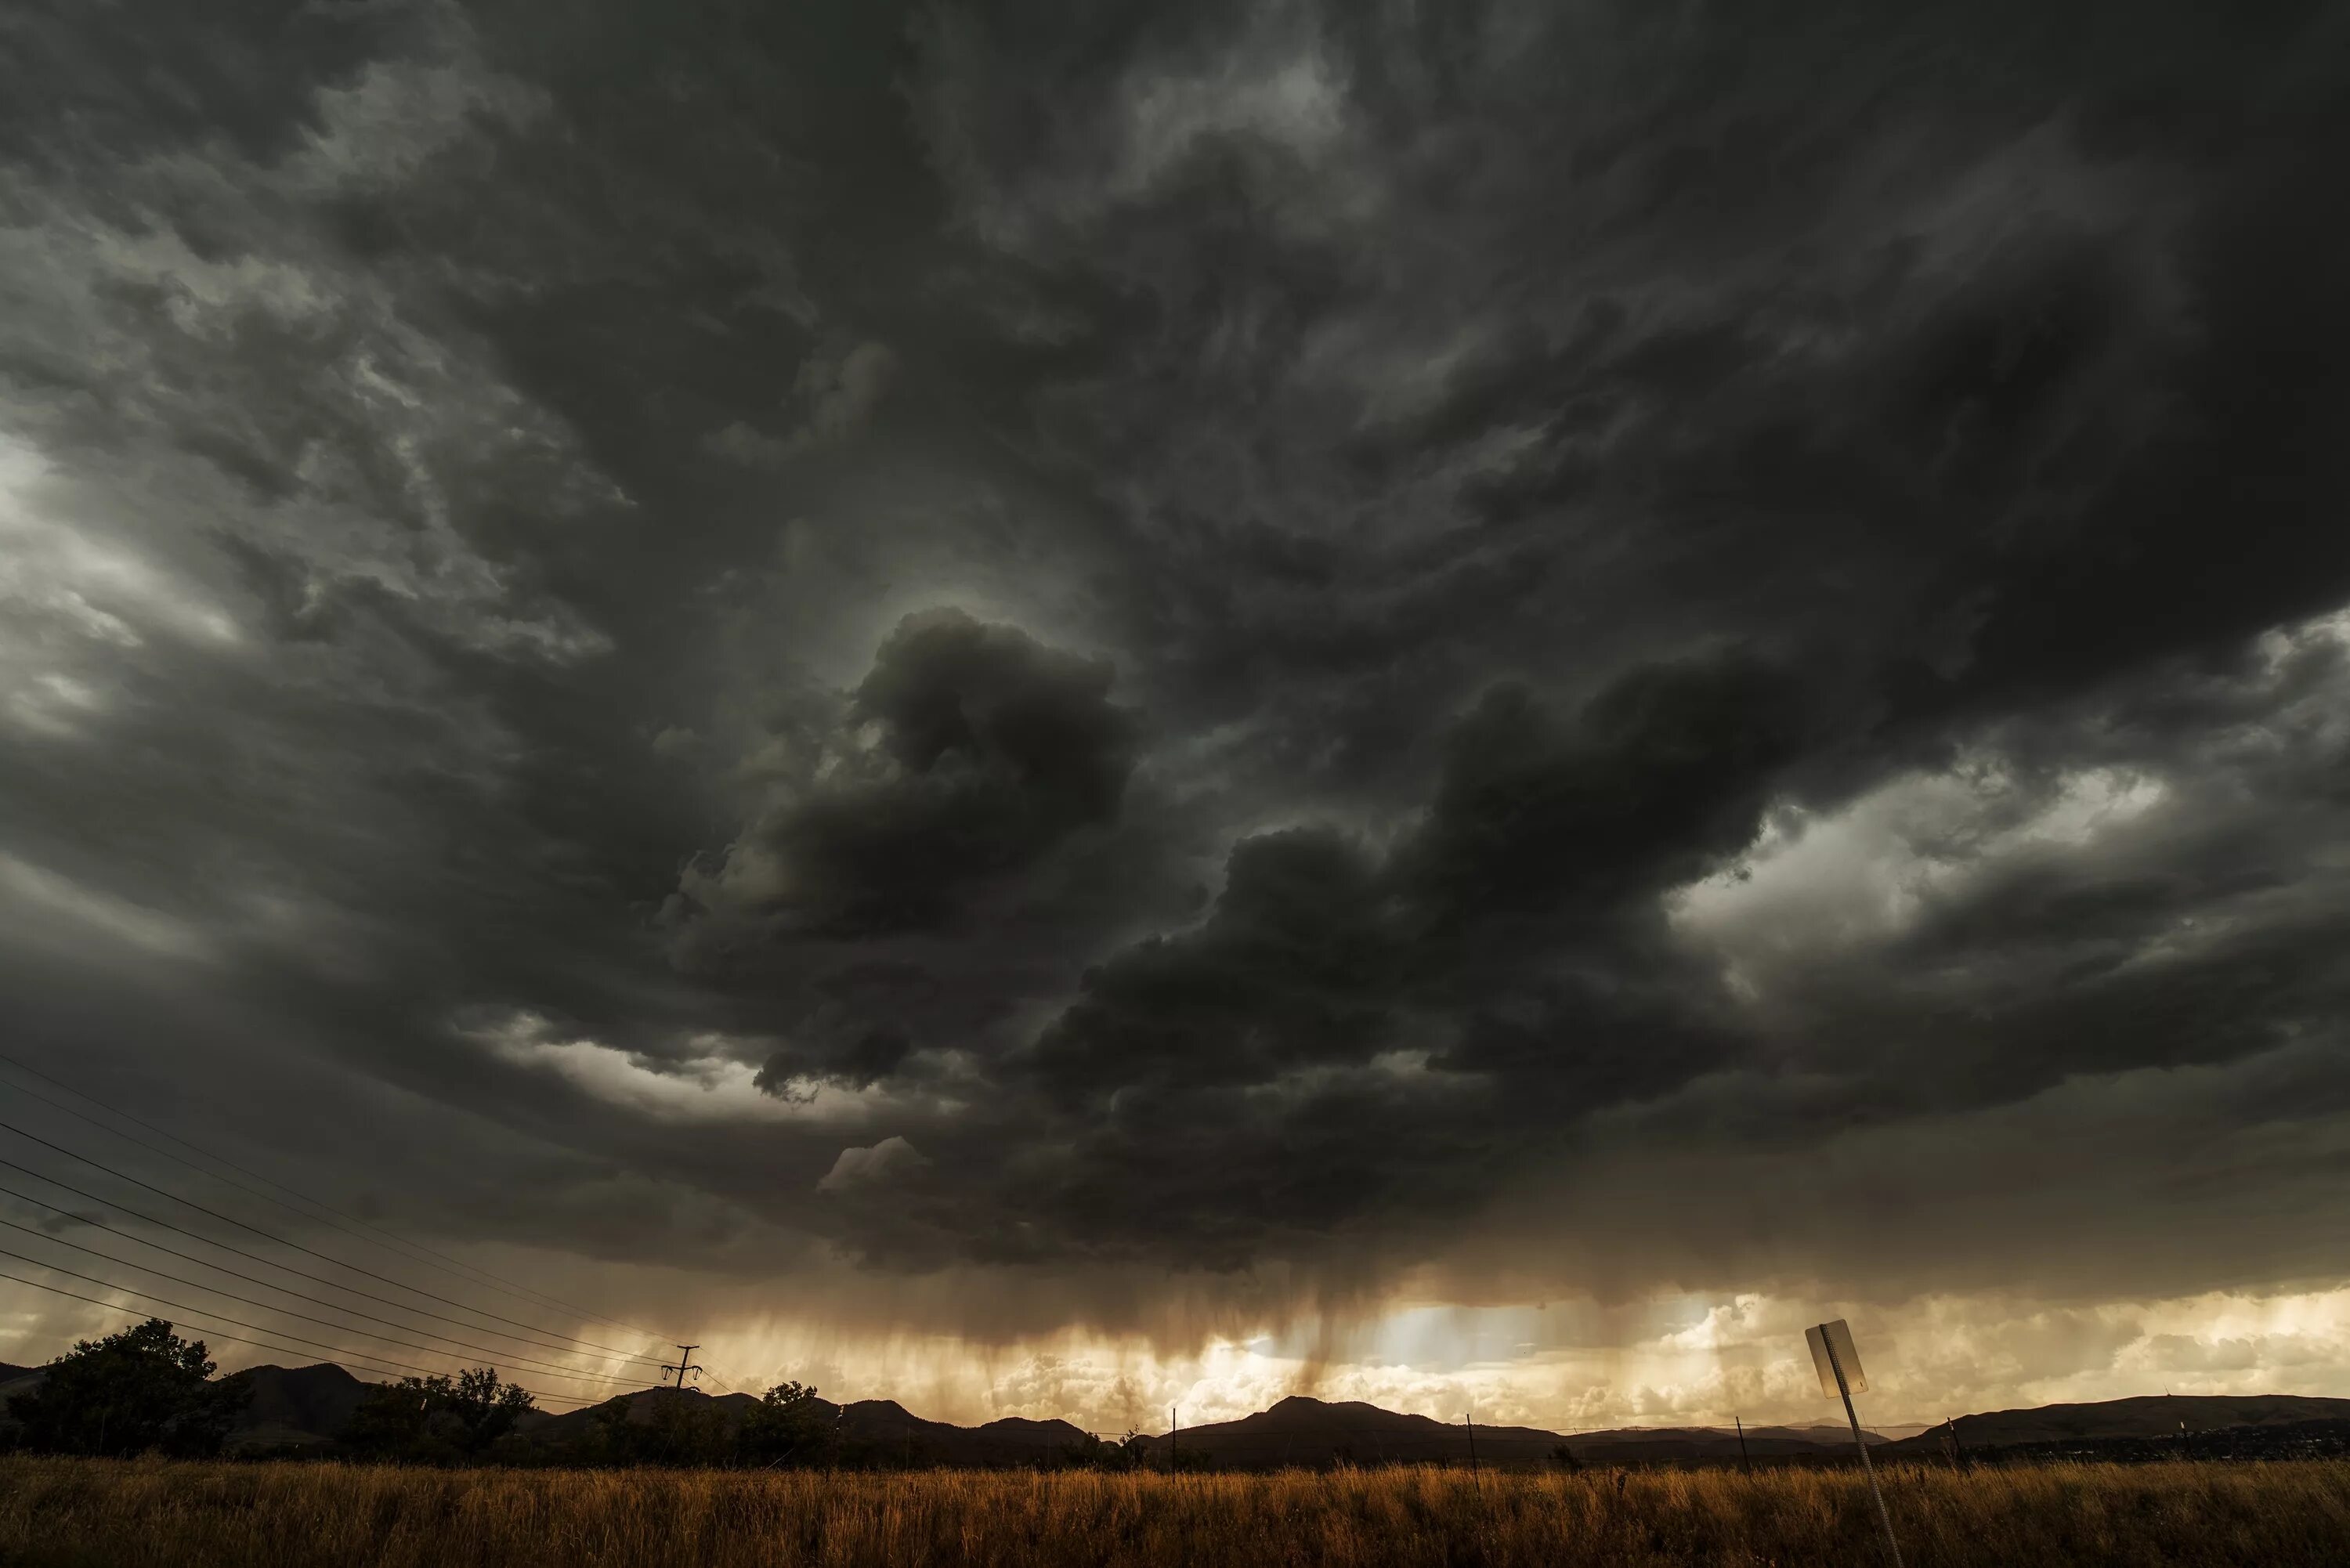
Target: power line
{"x": 503, "y": 1286}
{"x": 372, "y": 1364}
{"x": 299, "y": 1213}
{"x": 379, "y": 1363}
{"x": 273, "y": 1263}
{"x": 271, "y": 1307}
{"x": 545, "y": 1368}
{"x": 298, "y": 1247}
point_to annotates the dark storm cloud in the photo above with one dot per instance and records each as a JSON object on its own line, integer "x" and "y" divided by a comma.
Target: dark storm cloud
{"x": 1315, "y": 949}
{"x": 987, "y": 751}
{"x": 1217, "y": 635}
{"x": 870, "y": 1058}
{"x": 1360, "y": 1033}
{"x": 1667, "y": 776}
{"x": 124, "y": 81}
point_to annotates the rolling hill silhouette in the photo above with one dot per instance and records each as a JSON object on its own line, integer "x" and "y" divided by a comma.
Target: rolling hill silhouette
{"x": 298, "y": 1407}
{"x": 1300, "y": 1430}
{"x": 308, "y": 1408}
{"x": 885, "y": 1425}
{"x": 2149, "y": 1417}
{"x": 880, "y": 1423}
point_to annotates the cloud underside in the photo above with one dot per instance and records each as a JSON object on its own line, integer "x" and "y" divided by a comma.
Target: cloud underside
{"x": 1296, "y": 642}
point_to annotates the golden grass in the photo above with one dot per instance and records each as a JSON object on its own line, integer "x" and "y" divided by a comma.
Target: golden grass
{"x": 138, "y": 1513}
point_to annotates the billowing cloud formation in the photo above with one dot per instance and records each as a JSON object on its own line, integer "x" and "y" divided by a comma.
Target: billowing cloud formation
{"x": 967, "y": 753}
{"x": 1284, "y": 644}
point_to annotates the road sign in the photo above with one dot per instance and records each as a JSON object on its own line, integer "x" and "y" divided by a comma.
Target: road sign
{"x": 1832, "y": 1347}
{"x": 1839, "y": 1363}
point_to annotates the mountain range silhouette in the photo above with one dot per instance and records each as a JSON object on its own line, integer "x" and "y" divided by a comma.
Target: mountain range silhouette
{"x": 298, "y": 1407}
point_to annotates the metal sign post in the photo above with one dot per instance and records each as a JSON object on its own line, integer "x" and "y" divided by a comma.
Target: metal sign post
{"x": 1835, "y": 1359}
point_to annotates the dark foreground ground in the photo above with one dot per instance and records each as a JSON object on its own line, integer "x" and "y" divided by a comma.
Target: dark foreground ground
{"x": 124, "y": 1514}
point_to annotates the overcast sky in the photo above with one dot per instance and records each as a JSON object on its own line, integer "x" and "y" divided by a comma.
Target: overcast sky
{"x": 1044, "y": 706}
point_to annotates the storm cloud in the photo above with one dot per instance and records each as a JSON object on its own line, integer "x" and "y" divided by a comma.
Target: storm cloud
{"x": 1290, "y": 642}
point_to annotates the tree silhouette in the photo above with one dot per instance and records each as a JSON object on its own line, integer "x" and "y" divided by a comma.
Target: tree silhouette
{"x": 143, "y": 1388}
{"x": 438, "y": 1419}
{"x": 791, "y": 1426}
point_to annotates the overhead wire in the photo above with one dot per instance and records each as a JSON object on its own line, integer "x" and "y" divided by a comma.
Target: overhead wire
{"x": 298, "y": 1247}
{"x": 446, "y": 1263}
{"x": 248, "y": 1301}
{"x": 380, "y": 1362}
{"x": 549, "y": 1339}
{"x": 544, "y": 1369}
{"x": 356, "y": 1358}
{"x": 283, "y": 1268}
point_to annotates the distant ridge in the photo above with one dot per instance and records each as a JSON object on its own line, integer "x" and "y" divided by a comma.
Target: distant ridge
{"x": 1300, "y": 1430}
{"x": 883, "y": 1425}
{"x": 298, "y": 1407}
{"x": 2145, "y": 1416}
{"x": 308, "y": 1408}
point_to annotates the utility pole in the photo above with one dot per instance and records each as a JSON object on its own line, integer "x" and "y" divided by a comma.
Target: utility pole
{"x": 681, "y": 1366}
{"x": 1744, "y": 1463}
{"x": 1171, "y": 1439}
{"x": 1472, "y": 1422}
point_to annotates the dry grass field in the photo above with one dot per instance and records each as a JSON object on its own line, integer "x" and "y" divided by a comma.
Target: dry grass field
{"x": 126, "y": 1514}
